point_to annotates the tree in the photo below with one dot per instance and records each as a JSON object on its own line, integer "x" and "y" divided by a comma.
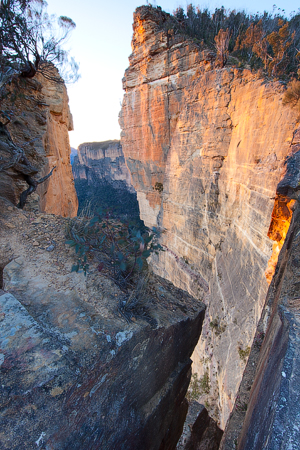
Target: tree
{"x": 255, "y": 41}
{"x": 222, "y": 43}
{"x": 280, "y": 42}
{"x": 31, "y": 41}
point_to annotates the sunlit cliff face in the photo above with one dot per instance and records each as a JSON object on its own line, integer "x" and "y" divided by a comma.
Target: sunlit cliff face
{"x": 280, "y": 222}
{"x": 216, "y": 141}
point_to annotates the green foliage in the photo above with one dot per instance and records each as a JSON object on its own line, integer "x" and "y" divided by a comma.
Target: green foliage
{"x": 193, "y": 392}
{"x": 217, "y": 326}
{"x": 198, "y": 386}
{"x": 243, "y": 354}
{"x": 205, "y": 383}
{"x": 268, "y": 41}
{"x": 121, "y": 248}
{"x": 159, "y": 187}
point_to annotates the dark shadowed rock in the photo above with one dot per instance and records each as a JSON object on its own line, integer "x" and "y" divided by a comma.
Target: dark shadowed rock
{"x": 74, "y": 373}
{"x": 200, "y": 431}
{"x": 268, "y": 416}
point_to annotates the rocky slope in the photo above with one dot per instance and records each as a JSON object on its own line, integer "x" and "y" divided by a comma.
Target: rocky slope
{"x": 206, "y": 149}
{"x": 74, "y": 373}
{"x": 40, "y": 123}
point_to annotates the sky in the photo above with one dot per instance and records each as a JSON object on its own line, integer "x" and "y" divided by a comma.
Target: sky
{"x": 101, "y": 44}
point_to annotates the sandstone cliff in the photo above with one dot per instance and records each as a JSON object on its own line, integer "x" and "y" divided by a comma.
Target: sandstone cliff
{"x": 206, "y": 150}
{"x": 266, "y": 413}
{"x": 102, "y": 160}
{"x": 74, "y": 373}
{"x": 102, "y": 179}
{"x": 40, "y": 123}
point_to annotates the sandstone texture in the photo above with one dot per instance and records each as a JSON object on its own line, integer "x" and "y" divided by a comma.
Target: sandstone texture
{"x": 74, "y": 373}
{"x": 40, "y": 123}
{"x": 102, "y": 180}
{"x": 200, "y": 432}
{"x": 102, "y": 161}
{"x": 266, "y": 414}
{"x": 206, "y": 149}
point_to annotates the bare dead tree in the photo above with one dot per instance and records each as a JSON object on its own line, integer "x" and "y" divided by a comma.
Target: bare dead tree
{"x": 12, "y": 158}
{"x": 31, "y": 41}
{"x": 222, "y": 43}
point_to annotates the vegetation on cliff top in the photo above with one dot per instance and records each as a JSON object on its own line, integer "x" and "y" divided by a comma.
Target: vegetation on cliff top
{"x": 268, "y": 42}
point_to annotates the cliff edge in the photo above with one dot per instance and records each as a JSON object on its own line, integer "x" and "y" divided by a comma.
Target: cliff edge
{"x": 39, "y": 126}
{"x": 75, "y": 373}
{"x": 206, "y": 148}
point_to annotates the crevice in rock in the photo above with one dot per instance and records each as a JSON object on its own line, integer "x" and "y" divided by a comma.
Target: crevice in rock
{"x": 1, "y": 277}
{"x": 284, "y": 205}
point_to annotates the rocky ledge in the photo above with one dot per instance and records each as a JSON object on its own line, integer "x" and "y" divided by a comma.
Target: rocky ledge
{"x": 74, "y": 373}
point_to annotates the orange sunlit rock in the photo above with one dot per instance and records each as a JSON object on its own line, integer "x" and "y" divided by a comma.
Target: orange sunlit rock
{"x": 281, "y": 219}
{"x": 216, "y": 140}
{"x": 44, "y": 118}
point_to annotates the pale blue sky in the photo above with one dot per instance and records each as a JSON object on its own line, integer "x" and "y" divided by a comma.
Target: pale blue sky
{"x": 101, "y": 43}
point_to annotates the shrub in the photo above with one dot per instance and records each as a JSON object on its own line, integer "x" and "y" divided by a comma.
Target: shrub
{"x": 265, "y": 41}
{"x": 258, "y": 340}
{"x": 199, "y": 386}
{"x": 292, "y": 95}
{"x": 243, "y": 354}
{"x": 205, "y": 383}
{"x": 159, "y": 187}
{"x": 217, "y": 326}
{"x": 240, "y": 405}
{"x": 121, "y": 248}
{"x": 137, "y": 303}
{"x": 193, "y": 392}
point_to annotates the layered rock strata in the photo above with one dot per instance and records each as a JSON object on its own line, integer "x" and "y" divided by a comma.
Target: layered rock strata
{"x": 102, "y": 179}
{"x": 102, "y": 161}
{"x": 74, "y": 373}
{"x": 266, "y": 413}
{"x": 40, "y": 123}
{"x": 206, "y": 149}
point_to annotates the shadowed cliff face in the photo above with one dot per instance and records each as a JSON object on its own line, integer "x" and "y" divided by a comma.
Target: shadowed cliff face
{"x": 216, "y": 140}
{"x": 40, "y": 124}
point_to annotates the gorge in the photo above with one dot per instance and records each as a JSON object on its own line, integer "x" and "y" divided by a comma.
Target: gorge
{"x": 212, "y": 156}
{"x": 102, "y": 179}
{"x": 219, "y": 142}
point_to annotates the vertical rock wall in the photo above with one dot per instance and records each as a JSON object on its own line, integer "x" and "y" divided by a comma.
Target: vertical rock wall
{"x": 102, "y": 161}
{"x": 40, "y": 123}
{"x": 102, "y": 179}
{"x": 206, "y": 149}
{"x": 266, "y": 413}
